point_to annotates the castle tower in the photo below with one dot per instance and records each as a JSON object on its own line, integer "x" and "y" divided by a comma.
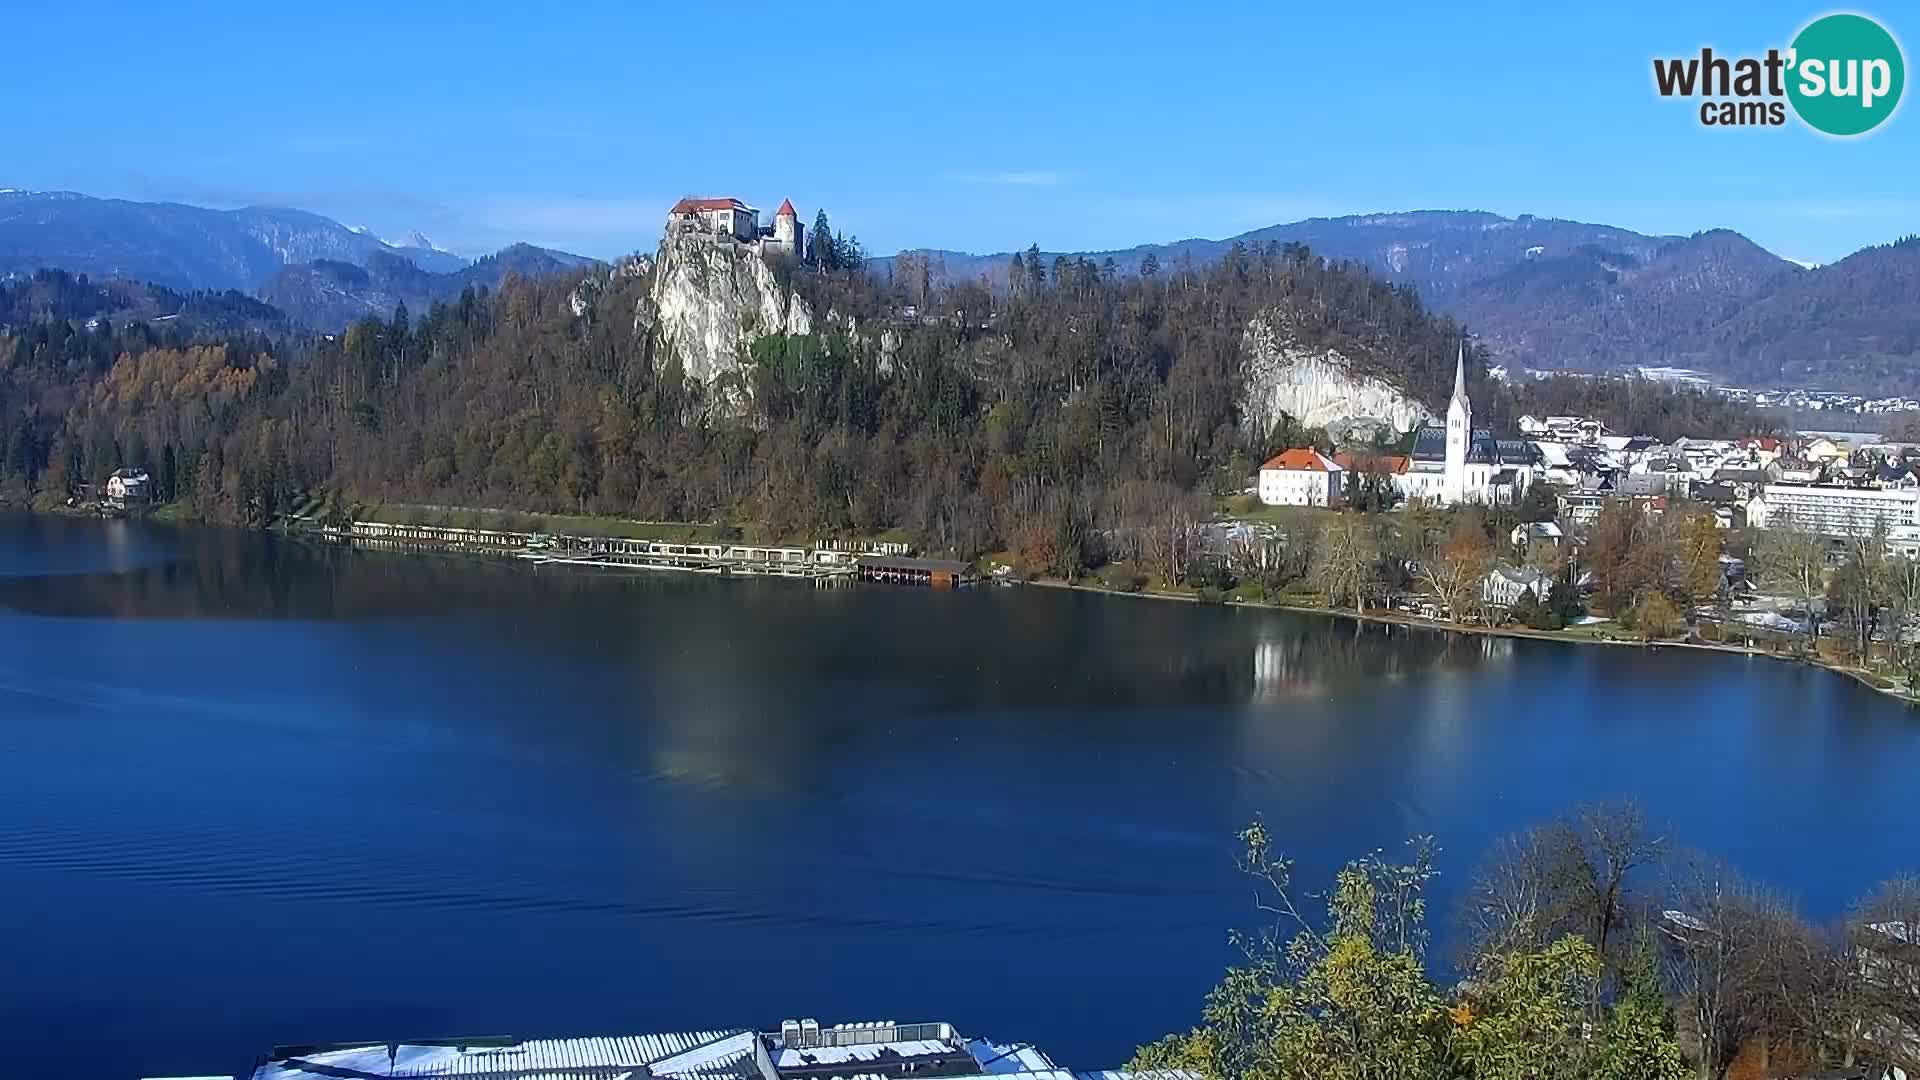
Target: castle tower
{"x": 1453, "y": 485}
{"x": 786, "y": 229}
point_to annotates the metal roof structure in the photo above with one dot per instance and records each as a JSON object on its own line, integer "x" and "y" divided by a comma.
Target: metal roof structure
{"x": 593, "y": 1058}
{"x": 872, "y": 1050}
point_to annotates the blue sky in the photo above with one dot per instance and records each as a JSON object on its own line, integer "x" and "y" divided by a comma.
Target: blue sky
{"x": 976, "y": 127}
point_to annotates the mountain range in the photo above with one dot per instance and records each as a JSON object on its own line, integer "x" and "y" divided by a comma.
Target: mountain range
{"x": 329, "y": 294}
{"x": 1548, "y": 294}
{"x": 1541, "y": 293}
{"x": 314, "y": 270}
{"x": 182, "y": 247}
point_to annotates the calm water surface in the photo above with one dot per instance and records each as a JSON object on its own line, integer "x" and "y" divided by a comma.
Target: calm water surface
{"x": 257, "y": 791}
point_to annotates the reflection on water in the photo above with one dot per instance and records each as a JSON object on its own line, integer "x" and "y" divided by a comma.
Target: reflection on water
{"x": 1315, "y": 658}
{"x": 230, "y": 761}
{"x": 41, "y": 546}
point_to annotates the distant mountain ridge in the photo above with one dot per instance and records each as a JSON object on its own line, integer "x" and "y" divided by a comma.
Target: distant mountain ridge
{"x": 179, "y": 246}
{"x": 1436, "y": 251}
{"x": 328, "y": 294}
{"x": 1551, "y": 294}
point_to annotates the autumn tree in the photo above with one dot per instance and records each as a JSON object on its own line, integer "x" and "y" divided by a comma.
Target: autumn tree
{"x": 1340, "y": 998}
{"x": 1346, "y": 560}
{"x": 1456, "y": 569}
{"x": 1862, "y": 586}
{"x": 1792, "y": 558}
{"x": 1703, "y": 579}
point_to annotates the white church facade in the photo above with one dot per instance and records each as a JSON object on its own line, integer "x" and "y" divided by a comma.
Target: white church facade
{"x": 1458, "y": 464}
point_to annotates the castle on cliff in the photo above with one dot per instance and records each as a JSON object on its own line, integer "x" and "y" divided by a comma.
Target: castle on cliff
{"x": 734, "y": 221}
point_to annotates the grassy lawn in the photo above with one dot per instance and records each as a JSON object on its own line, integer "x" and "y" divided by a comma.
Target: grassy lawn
{"x": 1245, "y": 508}
{"x": 582, "y": 525}
{"x": 515, "y": 521}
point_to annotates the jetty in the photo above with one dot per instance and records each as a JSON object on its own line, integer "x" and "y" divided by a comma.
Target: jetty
{"x": 872, "y": 561}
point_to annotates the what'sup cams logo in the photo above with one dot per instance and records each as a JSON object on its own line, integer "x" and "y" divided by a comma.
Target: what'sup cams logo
{"x": 1842, "y": 75}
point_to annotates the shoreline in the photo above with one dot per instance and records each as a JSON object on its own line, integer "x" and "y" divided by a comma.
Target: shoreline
{"x": 1380, "y": 618}
{"x": 1859, "y": 676}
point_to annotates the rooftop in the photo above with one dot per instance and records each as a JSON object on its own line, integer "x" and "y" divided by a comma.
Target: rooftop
{"x": 801, "y": 1048}
{"x": 1300, "y": 460}
{"x": 692, "y": 205}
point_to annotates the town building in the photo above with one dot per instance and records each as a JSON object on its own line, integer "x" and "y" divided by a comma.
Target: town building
{"x": 1835, "y": 511}
{"x": 1461, "y": 464}
{"x": 1505, "y": 584}
{"x": 800, "y": 1050}
{"x": 1841, "y": 512}
{"x": 732, "y": 220}
{"x": 1568, "y": 429}
{"x": 1302, "y": 477}
{"x": 1537, "y": 539}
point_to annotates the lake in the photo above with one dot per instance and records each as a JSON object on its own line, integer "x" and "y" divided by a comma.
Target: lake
{"x": 256, "y": 790}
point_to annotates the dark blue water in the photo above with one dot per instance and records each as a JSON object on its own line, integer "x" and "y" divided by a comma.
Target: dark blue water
{"x": 257, "y": 791}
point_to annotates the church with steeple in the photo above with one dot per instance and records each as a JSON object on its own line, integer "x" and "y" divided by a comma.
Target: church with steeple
{"x": 1458, "y": 463}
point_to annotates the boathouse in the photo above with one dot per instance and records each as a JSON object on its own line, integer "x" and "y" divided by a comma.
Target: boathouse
{"x": 900, "y": 569}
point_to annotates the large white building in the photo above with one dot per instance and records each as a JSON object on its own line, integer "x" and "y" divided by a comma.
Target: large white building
{"x": 1301, "y": 478}
{"x": 1457, "y": 464}
{"x": 1841, "y": 512}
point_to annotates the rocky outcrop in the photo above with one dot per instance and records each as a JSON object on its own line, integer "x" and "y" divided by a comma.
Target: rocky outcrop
{"x": 1317, "y": 387}
{"x": 711, "y": 300}
{"x": 584, "y": 300}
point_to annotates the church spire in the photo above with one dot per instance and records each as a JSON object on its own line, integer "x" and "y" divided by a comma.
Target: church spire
{"x": 1460, "y": 373}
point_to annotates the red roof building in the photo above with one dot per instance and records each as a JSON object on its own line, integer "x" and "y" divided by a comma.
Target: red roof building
{"x": 694, "y": 206}
{"x": 1305, "y": 459}
{"x": 1390, "y": 464}
{"x": 1301, "y": 477}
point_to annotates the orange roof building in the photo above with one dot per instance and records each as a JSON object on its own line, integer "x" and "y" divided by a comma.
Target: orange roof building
{"x": 1301, "y": 477}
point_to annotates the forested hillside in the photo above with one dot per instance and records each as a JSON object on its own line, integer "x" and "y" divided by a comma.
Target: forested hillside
{"x": 1049, "y": 422}
{"x": 1080, "y": 401}
{"x": 327, "y": 294}
{"x": 49, "y": 295}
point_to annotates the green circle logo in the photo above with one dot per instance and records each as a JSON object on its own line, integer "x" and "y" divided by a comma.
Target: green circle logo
{"x": 1847, "y": 74}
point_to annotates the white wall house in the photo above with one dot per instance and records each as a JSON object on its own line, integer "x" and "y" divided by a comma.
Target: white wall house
{"x": 1301, "y": 478}
{"x": 127, "y": 487}
{"x": 1505, "y": 585}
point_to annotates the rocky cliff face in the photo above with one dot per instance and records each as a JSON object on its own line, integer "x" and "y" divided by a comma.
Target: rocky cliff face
{"x": 1317, "y": 387}
{"x": 711, "y": 301}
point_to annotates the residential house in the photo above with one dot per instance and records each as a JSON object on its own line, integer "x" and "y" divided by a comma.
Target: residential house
{"x": 128, "y": 489}
{"x": 1505, "y": 584}
{"x": 1537, "y": 541}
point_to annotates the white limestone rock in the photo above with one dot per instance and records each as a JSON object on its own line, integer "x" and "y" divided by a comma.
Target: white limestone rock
{"x": 711, "y": 301}
{"x": 1317, "y": 387}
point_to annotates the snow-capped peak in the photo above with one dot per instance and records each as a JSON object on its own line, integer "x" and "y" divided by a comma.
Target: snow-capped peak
{"x": 357, "y": 230}
{"x": 417, "y": 239}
